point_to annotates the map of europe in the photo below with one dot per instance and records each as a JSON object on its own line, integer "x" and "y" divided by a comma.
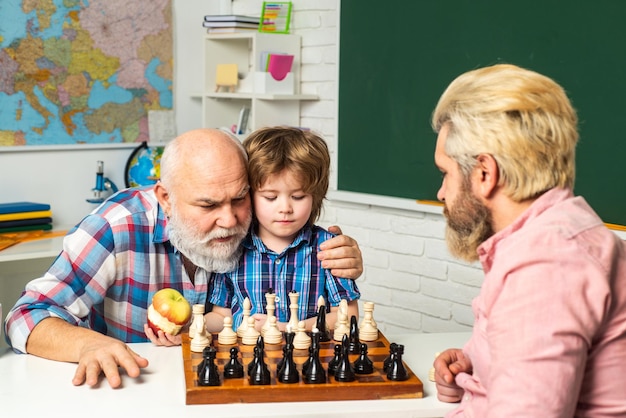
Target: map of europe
{"x": 83, "y": 71}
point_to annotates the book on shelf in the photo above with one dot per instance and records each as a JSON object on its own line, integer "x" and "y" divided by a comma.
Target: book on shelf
{"x": 25, "y": 215}
{"x": 13, "y": 207}
{"x": 25, "y": 222}
{"x": 232, "y": 18}
{"x": 45, "y": 227}
{"x": 242, "y": 122}
{"x": 230, "y": 25}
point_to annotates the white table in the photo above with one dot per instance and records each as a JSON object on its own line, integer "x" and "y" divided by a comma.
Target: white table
{"x": 39, "y": 387}
{"x": 30, "y": 250}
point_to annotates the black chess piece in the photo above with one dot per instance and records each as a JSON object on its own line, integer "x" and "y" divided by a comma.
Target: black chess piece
{"x": 260, "y": 373}
{"x": 233, "y": 369}
{"x": 208, "y": 375}
{"x": 354, "y": 343}
{"x": 259, "y": 346}
{"x": 397, "y": 371}
{"x": 315, "y": 343}
{"x": 344, "y": 372}
{"x": 332, "y": 364}
{"x": 389, "y": 359}
{"x": 288, "y": 372}
{"x": 321, "y": 324}
{"x": 281, "y": 362}
{"x": 363, "y": 365}
{"x": 314, "y": 372}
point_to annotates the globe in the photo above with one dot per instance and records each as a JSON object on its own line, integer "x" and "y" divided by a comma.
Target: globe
{"x": 143, "y": 167}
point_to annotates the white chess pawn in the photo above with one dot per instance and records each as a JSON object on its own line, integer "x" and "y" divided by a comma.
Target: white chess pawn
{"x": 320, "y": 302}
{"x": 227, "y": 336}
{"x": 251, "y": 334}
{"x": 341, "y": 326}
{"x": 272, "y": 334}
{"x": 301, "y": 340}
{"x": 247, "y": 306}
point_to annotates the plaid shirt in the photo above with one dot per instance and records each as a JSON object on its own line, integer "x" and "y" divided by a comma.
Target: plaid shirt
{"x": 296, "y": 268}
{"x": 111, "y": 265}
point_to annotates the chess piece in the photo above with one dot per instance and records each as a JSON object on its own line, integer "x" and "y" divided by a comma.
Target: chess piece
{"x": 321, "y": 302}
{"x": 247, "y": 307}
{"x": 233, "y": 369}
{"x": 270, "y": 307}
{"x": 301, "y": 341}
{"x": 312, "y": 369}
{"x": 259, "y": 374}
{"x": 208, "y": 375}
{"x": 363, "y": 365}
{"x": 368, "y": 330}
{"x": 227, "y": 336}
{"x": 273, "y": 335}
{"x": 341, "y": 326}
{"x": 293, "y": 308}
{"x": 332, "y": 364}
{"x": 198, "y": 319}
{"x": 315, "y": 342}
{"x": 201, "y": 338}
{"x": 354, "y": 345}
{"x": 259, "y": 346}
{"x": 289, "y": 336}
{"x": 344, "y": 372}
{"x": 431, "y": 371}
{"x": 321, "y": 323}
{"x": 397, "y": 371}
{"x": 288, "y": 372}
{"x": 389, "y": 359}
{"x": 251, "y": 334}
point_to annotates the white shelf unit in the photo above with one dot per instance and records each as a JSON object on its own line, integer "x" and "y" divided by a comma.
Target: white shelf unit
{"x": 221, "y": 108}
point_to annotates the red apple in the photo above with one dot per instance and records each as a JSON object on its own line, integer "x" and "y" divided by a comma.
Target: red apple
{"x": 168, "y": 312}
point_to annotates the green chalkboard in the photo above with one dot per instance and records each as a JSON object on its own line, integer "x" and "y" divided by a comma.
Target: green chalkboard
{"x": 397, "y": 57}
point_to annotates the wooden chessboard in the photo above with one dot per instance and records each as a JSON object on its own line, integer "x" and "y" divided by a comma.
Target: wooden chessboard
{"x": 371, "y": 386}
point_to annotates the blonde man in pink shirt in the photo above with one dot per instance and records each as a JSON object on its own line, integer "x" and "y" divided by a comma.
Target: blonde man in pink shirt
{"x": 549, "y": 335}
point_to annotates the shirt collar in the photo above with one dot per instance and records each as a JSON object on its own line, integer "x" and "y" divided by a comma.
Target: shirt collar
{"x": 253, "y": 241}
{"x": 161, "y": 233}
{"x": 543, "y": 202}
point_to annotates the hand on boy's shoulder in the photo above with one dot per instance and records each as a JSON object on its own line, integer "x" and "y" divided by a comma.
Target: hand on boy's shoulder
{"x": 341, "y": 255}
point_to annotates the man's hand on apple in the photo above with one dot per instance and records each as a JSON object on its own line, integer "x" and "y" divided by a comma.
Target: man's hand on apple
{"x": 162, "y": 338}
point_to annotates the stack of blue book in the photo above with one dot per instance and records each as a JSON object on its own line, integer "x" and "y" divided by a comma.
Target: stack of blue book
{"x": 25, "y": 216}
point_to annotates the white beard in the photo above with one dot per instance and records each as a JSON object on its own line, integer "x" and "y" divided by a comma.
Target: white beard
{"x": 201, "y": 251}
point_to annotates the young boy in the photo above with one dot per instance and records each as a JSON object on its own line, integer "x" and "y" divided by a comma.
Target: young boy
{"x": 288, "y": 172}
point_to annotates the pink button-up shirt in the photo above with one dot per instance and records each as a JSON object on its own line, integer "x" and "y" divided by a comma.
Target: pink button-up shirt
{"x": 549, "y": 336}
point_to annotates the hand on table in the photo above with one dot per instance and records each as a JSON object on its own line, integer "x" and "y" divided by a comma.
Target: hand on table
{"x": 447, "y": 365}
{"x": 105, "y": 356}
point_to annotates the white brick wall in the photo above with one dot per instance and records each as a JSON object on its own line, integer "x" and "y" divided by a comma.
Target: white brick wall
{"x": 409, "y": 274}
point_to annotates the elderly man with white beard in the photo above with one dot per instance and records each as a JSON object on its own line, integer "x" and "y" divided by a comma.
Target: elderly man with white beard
{"x": 174, "y": 234}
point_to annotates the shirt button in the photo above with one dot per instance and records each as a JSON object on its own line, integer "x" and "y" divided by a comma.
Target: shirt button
{"x": 277, "y": 261}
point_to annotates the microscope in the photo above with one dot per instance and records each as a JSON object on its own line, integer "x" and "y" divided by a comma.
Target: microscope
{"x": 104, "y": 187}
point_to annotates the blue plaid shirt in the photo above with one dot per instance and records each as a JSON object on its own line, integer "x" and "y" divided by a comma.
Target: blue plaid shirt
{"x": 296, "y": 268}
{"x": 111, "y": 265}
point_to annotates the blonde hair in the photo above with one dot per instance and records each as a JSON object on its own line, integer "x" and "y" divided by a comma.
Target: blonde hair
{"x": 274, "y": 149}
{"x": 522, "y": 118}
